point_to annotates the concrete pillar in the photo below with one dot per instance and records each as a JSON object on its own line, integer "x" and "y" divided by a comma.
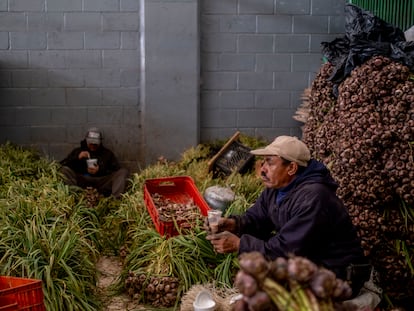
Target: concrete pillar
{"x": 170, "y": 77}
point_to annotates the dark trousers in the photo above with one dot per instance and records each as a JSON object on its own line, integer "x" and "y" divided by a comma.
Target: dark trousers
{"x": 113, "y": 184}
{"x": 357, "y": 275}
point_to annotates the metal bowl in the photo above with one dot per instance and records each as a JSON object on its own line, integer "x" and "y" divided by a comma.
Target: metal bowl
{"x": 218, "y": 197}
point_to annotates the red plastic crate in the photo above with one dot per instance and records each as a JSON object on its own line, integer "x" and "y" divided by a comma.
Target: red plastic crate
{"x": 178, "y": 189}
{"x": 26, "y": 293}
{"x": 8, "y": 307}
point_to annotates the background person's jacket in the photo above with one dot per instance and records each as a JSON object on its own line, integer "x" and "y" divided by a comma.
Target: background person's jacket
{"x": 306, "y": 219}
{"x": 107, "y": 161}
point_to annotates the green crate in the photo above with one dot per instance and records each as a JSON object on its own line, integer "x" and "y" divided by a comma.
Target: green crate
{"x": 399, "y": 13}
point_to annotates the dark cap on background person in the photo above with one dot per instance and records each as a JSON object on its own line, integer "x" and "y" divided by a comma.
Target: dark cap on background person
{"x": 287, "y": 147}
{"x": 93, "y": 136}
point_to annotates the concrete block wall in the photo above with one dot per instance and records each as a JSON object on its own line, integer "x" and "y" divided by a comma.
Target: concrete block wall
{"x": 257, "y": 57}
{"x": 66, "y": 65}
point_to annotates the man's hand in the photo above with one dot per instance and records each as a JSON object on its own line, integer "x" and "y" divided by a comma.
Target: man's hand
{"x": 224, "y": 242}
{"x": 225, "y": 224}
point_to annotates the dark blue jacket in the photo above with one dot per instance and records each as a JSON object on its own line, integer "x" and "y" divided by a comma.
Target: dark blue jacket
{"x": 309, "y": 221}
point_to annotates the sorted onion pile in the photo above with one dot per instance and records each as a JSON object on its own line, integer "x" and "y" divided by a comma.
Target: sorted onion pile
{"x": 158, "y": 291}
{"x": 366, "y": 137}
{"x": 169, "y": 210}
{"x": 289, "y": 284}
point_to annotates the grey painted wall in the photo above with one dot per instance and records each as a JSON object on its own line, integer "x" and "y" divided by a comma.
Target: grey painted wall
{"x": 257, "y": 58}
{"x": 68, "y": 64}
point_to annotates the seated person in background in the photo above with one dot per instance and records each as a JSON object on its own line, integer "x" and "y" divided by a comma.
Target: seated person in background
{"x": 105, "y": 175}
{"x": 298, "y": 213}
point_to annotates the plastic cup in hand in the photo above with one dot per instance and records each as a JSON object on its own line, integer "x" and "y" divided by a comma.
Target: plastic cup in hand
{"x": 92, "y": 162}
{"x": 213, "y": 219}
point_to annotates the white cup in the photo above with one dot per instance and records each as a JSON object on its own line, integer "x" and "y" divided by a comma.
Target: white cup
{"x": 213, "y": 219}
{"x": 204, "y": 302}
{"x": 92, "y": 162}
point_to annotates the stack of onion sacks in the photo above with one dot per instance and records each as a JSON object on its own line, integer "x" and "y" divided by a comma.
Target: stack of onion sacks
{"x": 291, "y": 284}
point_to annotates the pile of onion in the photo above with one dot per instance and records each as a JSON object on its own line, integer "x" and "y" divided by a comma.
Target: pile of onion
{"x": 364, "y": 133}
{"x": 289, "y": 284}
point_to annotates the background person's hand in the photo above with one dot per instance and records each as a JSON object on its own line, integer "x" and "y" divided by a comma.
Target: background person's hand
{"x": 224, "y": 242}
{"x": 84, "y": 155}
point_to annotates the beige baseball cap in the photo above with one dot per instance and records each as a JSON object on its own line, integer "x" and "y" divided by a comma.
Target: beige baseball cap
{"x": 287, "y": 147}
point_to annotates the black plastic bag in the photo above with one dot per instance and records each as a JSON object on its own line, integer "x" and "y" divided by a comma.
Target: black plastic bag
{"x": 403, "y": 52}
{"x": 366, "y": 36}
{"x": 361, "y": 25}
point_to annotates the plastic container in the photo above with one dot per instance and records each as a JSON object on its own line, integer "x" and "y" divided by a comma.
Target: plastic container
{"x": 178, "y": 189}
{"x": 27, "y": 294}
{"x": 214, "y": 216}
{"x": 92, "y": 162}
